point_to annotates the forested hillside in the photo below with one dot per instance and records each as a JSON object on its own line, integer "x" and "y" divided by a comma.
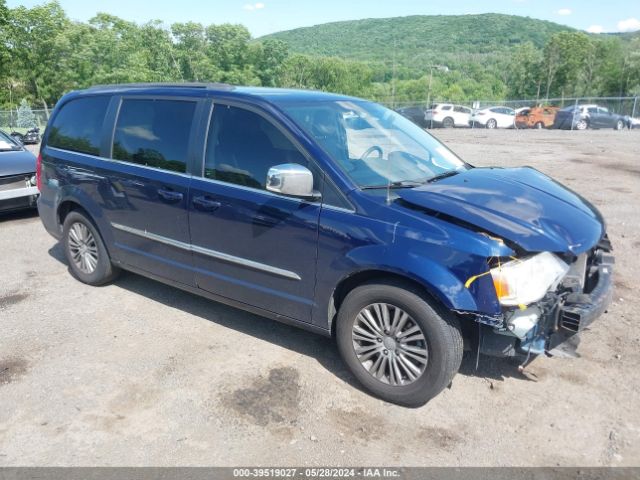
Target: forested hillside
{"x": 441, "y": 39}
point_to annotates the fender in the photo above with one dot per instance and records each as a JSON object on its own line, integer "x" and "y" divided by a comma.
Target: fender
{"x": 438, "y": 280}
{"x": 72, "y": 193}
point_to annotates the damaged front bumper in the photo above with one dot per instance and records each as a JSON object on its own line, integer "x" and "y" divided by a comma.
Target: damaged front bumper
{"x": 561, "y": 316}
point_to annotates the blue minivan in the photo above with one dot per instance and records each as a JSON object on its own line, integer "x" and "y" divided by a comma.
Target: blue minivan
{"x": 327, "y": 212}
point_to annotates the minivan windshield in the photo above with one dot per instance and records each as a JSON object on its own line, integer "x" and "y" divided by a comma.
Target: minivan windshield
{"x": 376, "y": 147}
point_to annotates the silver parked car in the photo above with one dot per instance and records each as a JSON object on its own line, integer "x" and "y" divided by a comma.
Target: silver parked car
{"x": 18, "y": 188}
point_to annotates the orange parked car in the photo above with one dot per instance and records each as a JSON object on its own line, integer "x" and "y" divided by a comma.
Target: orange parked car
{"x": 536, "y": 117}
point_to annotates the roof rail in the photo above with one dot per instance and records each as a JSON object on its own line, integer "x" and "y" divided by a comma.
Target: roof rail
{"x": 212, "y": 86}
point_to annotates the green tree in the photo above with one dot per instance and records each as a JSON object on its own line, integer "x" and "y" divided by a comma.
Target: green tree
{"x": 190, "y": 46}
{"x": 32, "y": 38}
{"x": 524, "y": 71}
{"x": 26, "y": 117}
{"x": 268, "y": 58}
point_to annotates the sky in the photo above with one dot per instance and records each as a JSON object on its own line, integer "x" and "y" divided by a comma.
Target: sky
{"x": 267, "y": 16}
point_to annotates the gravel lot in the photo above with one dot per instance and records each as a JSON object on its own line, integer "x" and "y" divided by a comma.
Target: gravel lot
{"x": 137, "y": 373}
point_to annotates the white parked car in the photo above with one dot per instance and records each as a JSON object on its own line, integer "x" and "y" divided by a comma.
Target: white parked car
{"x": 494, "y": 117}
{"x": 447, "y": 115}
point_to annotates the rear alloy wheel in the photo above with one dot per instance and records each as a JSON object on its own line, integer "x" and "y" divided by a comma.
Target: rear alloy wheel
{"x": 448, "y": 123}
{"x": 619, "y": 125}
{"x": 88, "y": 259}
{"x": 400, "y": 345}
{"x": 491, "y": 124}
{"x": 539, "y": 125}
{"x": 582, "y": 125}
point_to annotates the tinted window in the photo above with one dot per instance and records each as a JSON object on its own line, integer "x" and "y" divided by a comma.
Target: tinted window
{"x": 78, "y": 125}
{"x": 592, "y": 110}
{"x": 603, "y": 111}
{"x": 446, "y": 107}
{"x": 243, "y": 145}
{"x": 154, "y": 133}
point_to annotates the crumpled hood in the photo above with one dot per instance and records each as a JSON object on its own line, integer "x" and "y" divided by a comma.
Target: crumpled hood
{"x": 518, "y": 204}
{"x": 17, "y": 162}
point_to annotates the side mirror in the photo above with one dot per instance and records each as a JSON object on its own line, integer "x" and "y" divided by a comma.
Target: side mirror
{"x": 291, "y": 179}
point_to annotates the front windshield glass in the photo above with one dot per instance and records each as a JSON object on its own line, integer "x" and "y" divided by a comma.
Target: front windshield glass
{"x": 374, "y": 146}
{"x": 7, "y": 143}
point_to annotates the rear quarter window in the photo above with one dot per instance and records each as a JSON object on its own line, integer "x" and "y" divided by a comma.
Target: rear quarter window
{"x": 78, "y": 125}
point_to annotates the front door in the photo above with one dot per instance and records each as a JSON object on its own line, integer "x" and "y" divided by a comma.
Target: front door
{"x": 146, "y": 189}
{"x": 249, "y": 244}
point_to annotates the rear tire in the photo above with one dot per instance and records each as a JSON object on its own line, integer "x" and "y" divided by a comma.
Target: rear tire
{"x": 619, "y": 125}
{"x": 492, "y": 124}
{"x": 88, "y": 258}
{"x": 582, "y": 125}
{"x": 539, "y": 125}
{"x": 448, "y": 123}
{"x": 395, "y": 380}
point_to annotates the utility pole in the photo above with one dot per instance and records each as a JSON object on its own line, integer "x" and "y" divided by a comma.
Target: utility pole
{"x": 429, "y": 90}
{"x": 443, "y": 68}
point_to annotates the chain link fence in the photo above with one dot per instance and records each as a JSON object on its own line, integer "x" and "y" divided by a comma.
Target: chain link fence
{"x": 9, "y": 119}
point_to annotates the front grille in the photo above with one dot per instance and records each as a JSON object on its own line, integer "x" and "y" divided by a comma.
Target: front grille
{"x": 15, "y": 181}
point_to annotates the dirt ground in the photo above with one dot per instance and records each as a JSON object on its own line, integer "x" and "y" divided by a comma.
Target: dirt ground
{"x": 137, "y": 373}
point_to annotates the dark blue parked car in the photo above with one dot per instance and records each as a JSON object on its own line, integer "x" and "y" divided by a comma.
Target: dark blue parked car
{"x": 327, "y": 212}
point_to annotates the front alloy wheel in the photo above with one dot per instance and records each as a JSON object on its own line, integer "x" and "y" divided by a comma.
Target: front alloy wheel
{"x": 491, "y": 124}
{"x": 389, "y": 344}
{"x": 401, "y": 345}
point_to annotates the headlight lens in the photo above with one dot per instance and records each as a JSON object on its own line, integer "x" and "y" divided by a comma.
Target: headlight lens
{"x": 522, "y": 282}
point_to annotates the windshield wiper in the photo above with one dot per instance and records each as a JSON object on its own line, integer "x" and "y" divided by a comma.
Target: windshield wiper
{"x": 393, "y": 185}
{"x": 442, "y": 175}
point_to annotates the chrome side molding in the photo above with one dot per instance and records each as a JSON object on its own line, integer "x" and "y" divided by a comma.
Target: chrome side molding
{"x": 209, "y": 253}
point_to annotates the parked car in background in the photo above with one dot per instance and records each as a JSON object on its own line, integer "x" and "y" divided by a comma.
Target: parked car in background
{"x": 17, "y": 175}
{"x": 536, "y": 117}
{"x": 328, "y": 212}
{"x": 31, "y": 137}
{"x": 494, "y": 117}
{"x": 447, "y": 115}
{"x": 415, "y": 114}
{"x": 582, "y": 117}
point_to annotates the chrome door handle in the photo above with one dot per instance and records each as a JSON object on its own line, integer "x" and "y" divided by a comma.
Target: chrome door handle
{"x": 169, "y": 195}
{"x": 206, "y": 203}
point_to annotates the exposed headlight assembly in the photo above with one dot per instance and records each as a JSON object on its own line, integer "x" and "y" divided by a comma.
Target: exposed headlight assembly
{"x": 522, "y": 282}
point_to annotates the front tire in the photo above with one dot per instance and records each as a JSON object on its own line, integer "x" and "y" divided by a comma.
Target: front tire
{"x": 492, "y": 124}
{"x": 582, "y": 125}
{"x": 88, "y": 258}
{"x": 619, "y": 125}
{"x": 539, "y": 126}
{"x": 400, "y": 344}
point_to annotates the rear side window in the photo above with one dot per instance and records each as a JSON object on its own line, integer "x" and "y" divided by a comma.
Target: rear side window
{"x": 78, "y": 125}
{"x": 243, "y": 145}
{"x": 446, "y": 107}
{"x": 154, "y": 133}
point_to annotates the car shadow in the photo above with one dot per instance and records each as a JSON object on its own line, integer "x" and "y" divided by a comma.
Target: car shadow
{"x": 24, "y": 214}
{"x": 320, "y": 348}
